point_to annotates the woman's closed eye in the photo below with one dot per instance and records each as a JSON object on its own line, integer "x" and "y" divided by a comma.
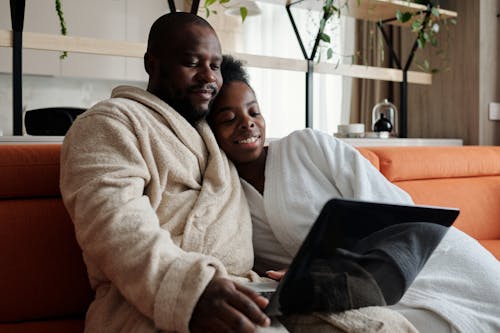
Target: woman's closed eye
{"x": 254, "y": 112}
{"x": 226, "y": 117}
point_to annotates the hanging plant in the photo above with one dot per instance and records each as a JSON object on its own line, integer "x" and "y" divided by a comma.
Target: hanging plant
{"x": 62, "y": 24}
{"x": 208, "y": 10}
{"x": 427, "y": 24}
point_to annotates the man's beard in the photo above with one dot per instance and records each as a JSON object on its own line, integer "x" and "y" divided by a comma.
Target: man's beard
{"x": 184, "y": 106}
{"x": 191, "y": 113}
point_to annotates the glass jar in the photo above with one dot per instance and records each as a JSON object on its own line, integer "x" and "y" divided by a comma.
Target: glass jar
{"x": 384, "y": 118}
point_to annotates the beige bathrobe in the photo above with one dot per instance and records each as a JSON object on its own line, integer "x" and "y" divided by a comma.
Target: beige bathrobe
{"x": 158, "y": 211}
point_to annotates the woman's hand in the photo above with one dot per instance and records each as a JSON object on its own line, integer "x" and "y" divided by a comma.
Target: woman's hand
{"x": 276, "y": 275}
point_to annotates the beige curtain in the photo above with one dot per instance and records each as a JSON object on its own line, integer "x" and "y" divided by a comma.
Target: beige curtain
{"x": 371, "y": 50}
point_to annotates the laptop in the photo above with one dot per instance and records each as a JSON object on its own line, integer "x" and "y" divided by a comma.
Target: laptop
{"x": 342, "y": 222}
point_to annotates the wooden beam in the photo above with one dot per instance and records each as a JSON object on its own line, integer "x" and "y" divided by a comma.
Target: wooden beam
{"x": 373, "y": 73}
{"x": 258, "y": 61}
{"x": 48, "y": 42}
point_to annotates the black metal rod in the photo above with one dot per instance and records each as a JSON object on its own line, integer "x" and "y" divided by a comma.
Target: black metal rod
{"x": 296, "y": 31}
{"x": 194, "y": 6}
{"x": 403, "y": 107}
{"x": 17, "y": 19}
{"x": 415, "y": 44}
{"x": 171, "y": 5}
{"x": 17, "y": 83}
{"x": 309, "y": 93}
{"x": 388, "y": 20}
{"x": 316, "y": 42}
{"x": 403, "y": 103}
{"x": 389, "y": 44}
{"x": 310, "y": 66}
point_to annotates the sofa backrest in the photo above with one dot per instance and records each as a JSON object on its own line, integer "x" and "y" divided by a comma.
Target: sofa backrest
{"x": 465, "y": 177}
{"x": 42, "y": 271}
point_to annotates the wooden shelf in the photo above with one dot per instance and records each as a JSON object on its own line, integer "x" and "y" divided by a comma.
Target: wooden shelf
{"x": 380, "y": 10}
{"x": 48, "y": 42}
{"x": 369, "y": 10}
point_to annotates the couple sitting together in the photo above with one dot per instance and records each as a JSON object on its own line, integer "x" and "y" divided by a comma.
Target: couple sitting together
{"x": 172, "y": 191}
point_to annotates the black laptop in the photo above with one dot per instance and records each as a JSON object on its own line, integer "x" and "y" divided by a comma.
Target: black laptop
{"x": 342, "y": 222}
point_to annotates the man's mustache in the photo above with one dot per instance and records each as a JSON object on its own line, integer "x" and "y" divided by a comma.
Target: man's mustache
{"x": 210, "y": 86}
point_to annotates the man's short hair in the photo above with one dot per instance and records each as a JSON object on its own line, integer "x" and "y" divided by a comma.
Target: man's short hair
{"x": 167, "y": 27}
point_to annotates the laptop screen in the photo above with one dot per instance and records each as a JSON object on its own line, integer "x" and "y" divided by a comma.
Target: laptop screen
{"x": 341, "y": 223}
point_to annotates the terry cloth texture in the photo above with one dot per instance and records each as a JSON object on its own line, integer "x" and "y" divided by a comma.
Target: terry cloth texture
{"x": 158, "y": 212}
{"x": 459, "y": 283}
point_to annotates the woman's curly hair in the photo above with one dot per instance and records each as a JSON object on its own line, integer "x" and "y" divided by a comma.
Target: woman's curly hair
{"x": 232, "y": 70}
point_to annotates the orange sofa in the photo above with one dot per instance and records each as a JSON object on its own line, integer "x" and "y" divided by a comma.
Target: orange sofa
{"x": 44, "y": 286}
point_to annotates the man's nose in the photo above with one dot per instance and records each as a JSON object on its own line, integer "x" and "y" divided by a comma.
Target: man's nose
{"x": 206, "y": 74}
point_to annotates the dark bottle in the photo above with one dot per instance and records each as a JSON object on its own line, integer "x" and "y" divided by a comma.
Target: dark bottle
{"x": 382, "y": 124}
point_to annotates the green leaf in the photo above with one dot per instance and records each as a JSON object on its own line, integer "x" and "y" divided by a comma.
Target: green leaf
{"x": 324, "y": 37}
{"x": 403, "y": 17}
{"x": 223, "y": 1}
{"x": 214, "y": 12}
{"x": 337, "y": 64}
{"x": 426, "y": 64}
{"x": 208, "y": 3}
{"x": 207, "y": 12}
{"x": 420, "y": 43}
{"x": 453, "y": 21}
{"x": 243, "y": 13}
{"x": 322, "y": 24}
{"x": 416, "y": 25}
{"x": 426, "y": 36}
{"x": 399, "y": 15}
{"x": 329, "y": 53}
{"x": 435, "y": 11}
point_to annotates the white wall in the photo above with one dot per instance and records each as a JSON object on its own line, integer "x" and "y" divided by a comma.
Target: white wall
{"x": 81, "y": 80}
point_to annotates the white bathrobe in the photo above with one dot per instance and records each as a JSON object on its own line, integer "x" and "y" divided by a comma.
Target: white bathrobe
{"x": 158, "y": 212}
{"x": 461, "y": 280}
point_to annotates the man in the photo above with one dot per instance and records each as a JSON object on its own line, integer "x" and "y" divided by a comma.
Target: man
{"x": 158, "y": 209}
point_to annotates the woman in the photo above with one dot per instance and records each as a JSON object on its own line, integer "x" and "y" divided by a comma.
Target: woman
{"x": 288, "y": 182}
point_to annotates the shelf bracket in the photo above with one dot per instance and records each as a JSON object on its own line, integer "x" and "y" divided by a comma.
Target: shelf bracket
{"x": 310, "y": 62}
{"x": 403, "y": 103}
{"x": 17, "y": 19}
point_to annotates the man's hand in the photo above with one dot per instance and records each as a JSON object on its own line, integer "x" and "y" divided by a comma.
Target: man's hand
{"x": 226, "y": 306}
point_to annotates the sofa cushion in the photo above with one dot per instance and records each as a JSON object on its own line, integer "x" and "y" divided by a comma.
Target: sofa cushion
{"x": 370, "y": 156}
{"x": 408, "y": 163}
{"x": 41, "y": 266}
{"x": 493, "y": 246}
{"x": 477, "y": 197}
{"x": 29, "y": 170}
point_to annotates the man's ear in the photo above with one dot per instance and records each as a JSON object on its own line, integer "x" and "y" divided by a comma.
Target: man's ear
{"x": 148, "y": 63}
